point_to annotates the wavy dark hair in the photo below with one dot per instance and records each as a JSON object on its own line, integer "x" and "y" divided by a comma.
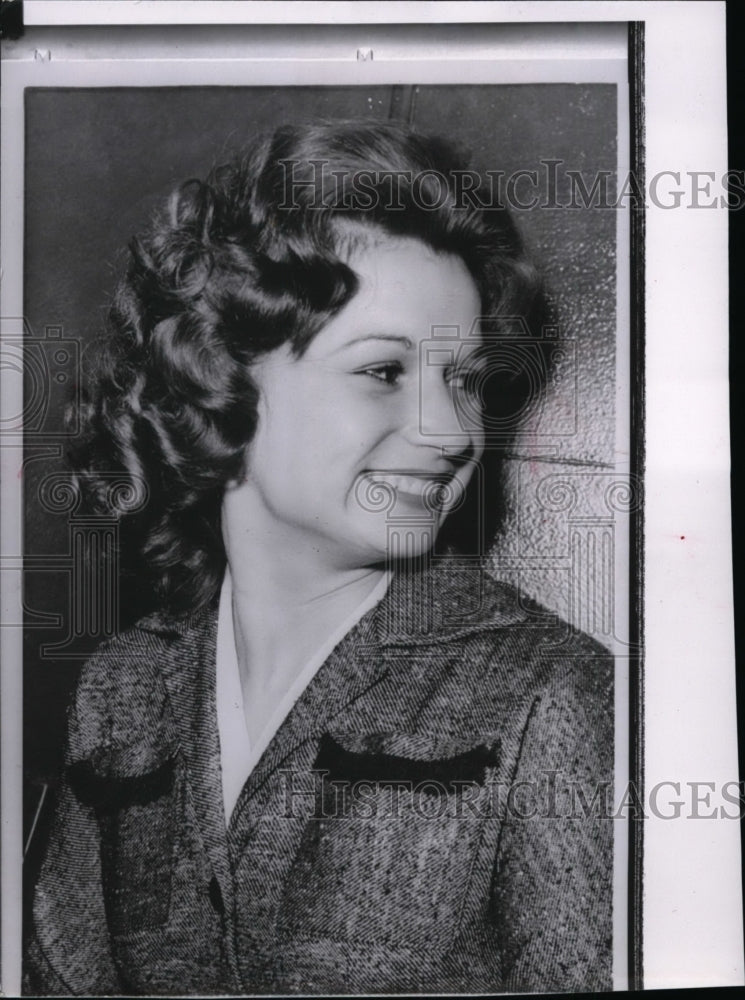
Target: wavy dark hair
{"x": 239, "y": 264}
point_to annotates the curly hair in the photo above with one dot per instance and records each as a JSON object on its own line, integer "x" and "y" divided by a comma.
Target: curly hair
{"x": 239, "y": 264}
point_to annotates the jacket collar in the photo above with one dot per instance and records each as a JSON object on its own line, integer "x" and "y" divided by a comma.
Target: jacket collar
{"x": 447, "y": 598}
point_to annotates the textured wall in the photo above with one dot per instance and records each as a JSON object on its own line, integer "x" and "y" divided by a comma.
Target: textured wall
{"x": 98, "y": 162}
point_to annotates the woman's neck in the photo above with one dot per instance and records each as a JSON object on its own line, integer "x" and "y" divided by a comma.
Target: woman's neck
{"x": 275, "y": 613}
{"x": 286, "y": 604}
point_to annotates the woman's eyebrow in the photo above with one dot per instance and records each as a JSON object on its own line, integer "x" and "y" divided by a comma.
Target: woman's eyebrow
{"x": 406, "y": 342}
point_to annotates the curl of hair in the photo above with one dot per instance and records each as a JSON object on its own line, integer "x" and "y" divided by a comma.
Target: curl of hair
{"x": 239, "y": 264}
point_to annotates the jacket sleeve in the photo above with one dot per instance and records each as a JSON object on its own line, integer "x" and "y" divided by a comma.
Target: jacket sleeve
{"x": 553, "y": 883}
{"x": 119, "y": 728}
{"x": 68, "y": 952}
{"x": 68, "y": 949}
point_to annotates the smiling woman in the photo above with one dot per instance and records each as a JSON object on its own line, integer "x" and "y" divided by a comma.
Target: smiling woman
{"x": 290, "y": 776}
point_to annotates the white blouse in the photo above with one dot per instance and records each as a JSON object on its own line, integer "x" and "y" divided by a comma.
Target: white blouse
{"x": 238, "y": 756}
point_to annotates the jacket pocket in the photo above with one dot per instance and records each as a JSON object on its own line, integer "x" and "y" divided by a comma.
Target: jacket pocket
{"x": 387, "y": 856}
{"x": 138, "y": 818}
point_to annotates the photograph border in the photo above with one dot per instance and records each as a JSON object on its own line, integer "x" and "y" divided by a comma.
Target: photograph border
{"x": 637, "y": 753}
{"x": 544, "y": 71}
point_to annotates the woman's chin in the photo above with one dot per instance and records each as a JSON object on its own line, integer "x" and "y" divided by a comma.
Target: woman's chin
{"x": 407, "y": 542}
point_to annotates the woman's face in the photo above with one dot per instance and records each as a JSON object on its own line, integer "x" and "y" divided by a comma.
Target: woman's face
{"x": 366, "y": 442}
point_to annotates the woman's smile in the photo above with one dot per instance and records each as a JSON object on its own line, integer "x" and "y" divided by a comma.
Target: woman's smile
{"x": 436, "y": 492}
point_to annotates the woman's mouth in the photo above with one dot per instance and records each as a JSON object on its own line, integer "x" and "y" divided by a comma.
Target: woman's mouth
{"x": 435, "y": 491}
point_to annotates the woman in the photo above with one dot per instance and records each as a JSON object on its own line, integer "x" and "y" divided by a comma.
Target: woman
{"x": 337, "y": 757}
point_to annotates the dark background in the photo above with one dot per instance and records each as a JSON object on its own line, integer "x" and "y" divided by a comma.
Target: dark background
{"x": 100, "y": 161}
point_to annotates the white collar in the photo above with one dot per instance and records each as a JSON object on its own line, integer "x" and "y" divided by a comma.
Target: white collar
{"x": 237, "y": 755}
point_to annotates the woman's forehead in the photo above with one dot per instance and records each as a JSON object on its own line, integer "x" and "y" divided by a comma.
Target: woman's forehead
{"x": 406, "y": 290}
{"x": 388, "y": 265}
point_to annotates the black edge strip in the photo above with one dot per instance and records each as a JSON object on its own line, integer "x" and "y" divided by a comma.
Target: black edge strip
{"x": 636, "y": 562}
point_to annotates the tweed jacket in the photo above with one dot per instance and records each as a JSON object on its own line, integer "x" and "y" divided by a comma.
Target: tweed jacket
{"x": 412, "y": 827}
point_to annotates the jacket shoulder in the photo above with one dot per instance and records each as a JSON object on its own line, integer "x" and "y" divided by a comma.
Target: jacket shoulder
{"x": 120, "y": 722}
{"x": 512, "y": 648}
{"x": 142, "y": 651}
{"x": 480, "y": 601}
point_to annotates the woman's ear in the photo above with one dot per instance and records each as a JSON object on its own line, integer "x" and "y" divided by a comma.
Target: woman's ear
{"x": 238, "y": 480}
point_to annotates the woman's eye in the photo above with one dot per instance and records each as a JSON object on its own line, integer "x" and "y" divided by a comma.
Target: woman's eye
{"x": 388, "y": 373}
{"x": 466, "y": 380}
